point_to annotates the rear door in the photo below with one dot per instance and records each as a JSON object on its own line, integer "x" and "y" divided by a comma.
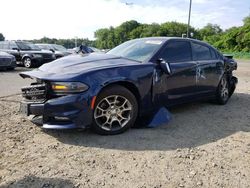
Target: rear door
{"x": 209, "y": 68}
{"x": 181, "y": 83}
{"x": 14, "y": 50}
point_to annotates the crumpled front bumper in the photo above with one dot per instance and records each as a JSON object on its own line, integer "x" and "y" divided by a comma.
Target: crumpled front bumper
{"x": 65, "y": 112}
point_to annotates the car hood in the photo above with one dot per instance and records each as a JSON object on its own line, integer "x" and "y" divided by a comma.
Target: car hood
{"x": 4, "y": 54}
{"x": 74, "y": 65}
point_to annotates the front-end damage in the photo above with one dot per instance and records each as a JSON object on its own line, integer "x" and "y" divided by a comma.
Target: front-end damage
{"x": 51, "y": 110}
{"x": 230, "y": 66}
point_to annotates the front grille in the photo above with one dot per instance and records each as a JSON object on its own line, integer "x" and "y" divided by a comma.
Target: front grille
{"x": 5, "y": 61}
{"x": 35, "y": 92}
{"x": 47, "y": 56}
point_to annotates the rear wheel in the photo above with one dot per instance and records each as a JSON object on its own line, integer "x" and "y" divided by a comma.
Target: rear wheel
{"x": 222, "y": 95}
{"x": 115, "y": 111}
{"x": 27, "y": 62}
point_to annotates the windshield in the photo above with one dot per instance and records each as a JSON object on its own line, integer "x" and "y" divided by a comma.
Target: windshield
{"x": 44, "y": 46}
{"x": 139, "y": 49}
{"x": 59, "y": 47}
{"x": 27, "y": 46}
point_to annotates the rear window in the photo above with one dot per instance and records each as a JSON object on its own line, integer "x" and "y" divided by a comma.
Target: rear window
{"x": 201, "y": 52}
{"x": 177, "y": 51}
{"x": 213, "y": 54}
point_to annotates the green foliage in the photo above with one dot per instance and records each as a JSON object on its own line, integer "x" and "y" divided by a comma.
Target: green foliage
{"x": 1, "y": 37}
{"x": 111, "y": 37}
{"x": 239, "y": 55}
{"x": 235, "y": 39}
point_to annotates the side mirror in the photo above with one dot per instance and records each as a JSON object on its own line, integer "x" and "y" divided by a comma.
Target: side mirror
{"x": 165, "y": 66}
{"x": 52, "y": 50}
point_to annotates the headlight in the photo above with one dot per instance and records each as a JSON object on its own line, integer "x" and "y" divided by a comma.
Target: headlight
{"x": 37, "y": 55}
{"x": 53, "y": 56}
{"x": 68, "y": 87}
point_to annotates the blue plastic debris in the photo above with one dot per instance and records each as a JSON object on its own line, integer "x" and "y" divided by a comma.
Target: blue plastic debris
{"x": 163, "y": 116}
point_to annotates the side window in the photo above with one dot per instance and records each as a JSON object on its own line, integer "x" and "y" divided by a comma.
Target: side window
{"x": 1, "y": 45}
{"x": 177, "y": 51}
{"x": 13, "y": 45}
{"x": 5, "y": 45}
{"x": 201, "y": 52}
{"x": 213, "y": 53}
{"x": 220, "y": 56}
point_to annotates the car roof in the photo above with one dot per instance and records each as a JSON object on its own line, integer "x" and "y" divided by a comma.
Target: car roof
{"x": 171, "y": 38}
{"x": 164, "y": 39}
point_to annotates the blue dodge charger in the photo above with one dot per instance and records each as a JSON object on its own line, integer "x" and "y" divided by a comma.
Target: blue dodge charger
{"x": 109, "y": 92}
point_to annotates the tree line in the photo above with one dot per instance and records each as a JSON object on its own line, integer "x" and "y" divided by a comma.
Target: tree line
{"x": 67, "y": 43}
{"x": 235, "y": 39}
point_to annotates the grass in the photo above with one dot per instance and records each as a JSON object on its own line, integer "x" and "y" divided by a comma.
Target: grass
{"x": 239, "y": 55}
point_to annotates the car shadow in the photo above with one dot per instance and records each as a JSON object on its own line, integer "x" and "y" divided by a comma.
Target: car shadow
{"x": 16, "y": 70}
{"x": 192, "y": 125}
{"x": 33, "y": 181}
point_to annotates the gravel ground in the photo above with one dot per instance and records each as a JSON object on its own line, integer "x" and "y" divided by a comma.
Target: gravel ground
{"x": 205, "y": 145}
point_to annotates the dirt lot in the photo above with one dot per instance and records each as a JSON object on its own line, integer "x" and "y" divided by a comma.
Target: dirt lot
{"x": 205, "y": 145}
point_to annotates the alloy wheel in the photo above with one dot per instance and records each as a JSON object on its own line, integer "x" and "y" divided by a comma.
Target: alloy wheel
{"x": 27, "y": 62}
{"x": 113, "y": 112}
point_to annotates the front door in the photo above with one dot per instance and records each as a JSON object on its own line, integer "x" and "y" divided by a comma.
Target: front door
{"x": 180, "y": 85}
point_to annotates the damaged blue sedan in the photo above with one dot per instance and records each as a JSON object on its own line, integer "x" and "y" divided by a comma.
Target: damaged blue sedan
{"x": 109, "y": 92}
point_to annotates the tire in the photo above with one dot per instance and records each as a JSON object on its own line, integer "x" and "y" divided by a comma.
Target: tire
{"x": 115, "y": 111}
{"x": 27, "y": 62}
{"x": 223, "y": 94}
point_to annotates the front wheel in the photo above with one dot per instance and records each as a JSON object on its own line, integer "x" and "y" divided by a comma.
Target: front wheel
{"x": 27, "y": 62}
{"x": 222, "y": 95}
{"x": 115, "y": 111}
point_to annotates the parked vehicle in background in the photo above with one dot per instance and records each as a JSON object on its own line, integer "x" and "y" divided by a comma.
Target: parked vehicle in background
{"x": 61, "y": 49}
{"x": 96, "y": 49}
{"x": 108, "y": 92}
{"x": 27, "y": 53}
{"x": 7, "y": 61}
{"x": 51, "y": 47}
{"x": 85, "y": 49}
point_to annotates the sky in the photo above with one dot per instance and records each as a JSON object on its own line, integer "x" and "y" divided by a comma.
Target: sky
{"x": 34, "y": 19}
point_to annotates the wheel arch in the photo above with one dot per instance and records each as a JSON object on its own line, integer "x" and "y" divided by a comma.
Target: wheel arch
{"x": 26, "y": 55}
{"x": 126, "y": 84}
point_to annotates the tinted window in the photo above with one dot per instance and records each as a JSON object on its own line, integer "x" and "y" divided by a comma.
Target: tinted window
{"x": 13, "y": 45}
{"x": 201, "y": 52}
{"x": 177, "y": 51}
{"x": 219, "y": 56}
{"x": 213, "y": 54}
